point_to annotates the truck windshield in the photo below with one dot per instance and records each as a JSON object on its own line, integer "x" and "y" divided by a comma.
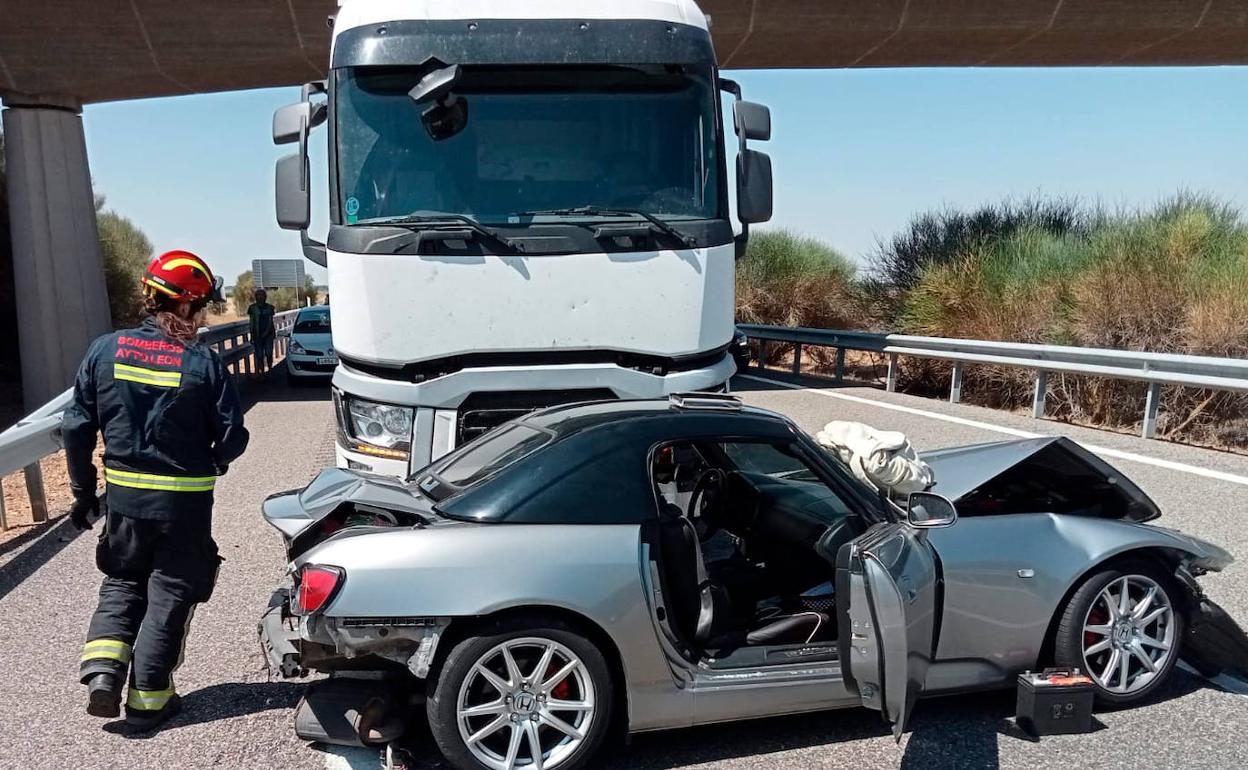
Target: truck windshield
{"x": 534, "y": 139}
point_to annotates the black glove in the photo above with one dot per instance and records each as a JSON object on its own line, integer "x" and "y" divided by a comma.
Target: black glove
{"x": 222, "y": 468}
{"x": 84, "y": 505}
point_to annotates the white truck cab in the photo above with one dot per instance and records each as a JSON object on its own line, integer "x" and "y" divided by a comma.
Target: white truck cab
{"x": 528, "y": 206}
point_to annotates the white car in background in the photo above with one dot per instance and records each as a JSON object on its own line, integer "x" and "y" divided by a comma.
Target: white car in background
{"x": 311, "y": 351}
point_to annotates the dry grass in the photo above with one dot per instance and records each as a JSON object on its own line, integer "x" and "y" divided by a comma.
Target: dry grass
{"x": 17, "y": 508}
{"x": 788, "y": 280}
{"x": 1173, "y": 279}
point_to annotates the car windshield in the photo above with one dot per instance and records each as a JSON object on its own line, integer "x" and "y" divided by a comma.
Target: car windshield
{"x": 639, "y": 139}
{"x": 768, "y": 460}
{"x": 312, "y": 323}
{"x": 480, "y": 459}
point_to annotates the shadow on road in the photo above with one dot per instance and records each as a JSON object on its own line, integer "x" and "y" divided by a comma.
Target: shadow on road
{"x": 718, "y": 743}
{"x": 221, "y": 701}
{"x": 965, "y": 732}
{"x": 274, "y": 387}
{"x": 48, "y": 542}
{"x": 741, "y": 383}
{"x": 962, "y": 732}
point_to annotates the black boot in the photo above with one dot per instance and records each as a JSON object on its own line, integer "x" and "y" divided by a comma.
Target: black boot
{"x": 142, "y": 719}
{"x": 104, "y": 695}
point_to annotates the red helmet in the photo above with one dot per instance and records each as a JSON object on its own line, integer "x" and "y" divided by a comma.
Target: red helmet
{"x": 182, "y": 276}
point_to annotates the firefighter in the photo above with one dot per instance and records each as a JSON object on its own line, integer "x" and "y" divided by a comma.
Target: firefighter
{"x": 172, "y": 423}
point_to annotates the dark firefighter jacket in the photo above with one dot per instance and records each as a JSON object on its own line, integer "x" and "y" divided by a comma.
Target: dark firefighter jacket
{"x": 171, "y": 420}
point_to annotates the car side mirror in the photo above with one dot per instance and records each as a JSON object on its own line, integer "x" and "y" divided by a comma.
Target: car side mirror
{"x": 928, "y": 510}
{"x": 754, "y": 187}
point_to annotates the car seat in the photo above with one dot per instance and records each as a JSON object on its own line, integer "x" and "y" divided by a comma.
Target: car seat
{"x": 700, "y": 608}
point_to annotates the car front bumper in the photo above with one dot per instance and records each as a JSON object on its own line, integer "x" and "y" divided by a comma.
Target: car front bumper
{"x": 309, "y": 366}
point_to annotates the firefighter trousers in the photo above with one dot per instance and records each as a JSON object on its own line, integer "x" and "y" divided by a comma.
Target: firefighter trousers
{"x": 155, "y": 573}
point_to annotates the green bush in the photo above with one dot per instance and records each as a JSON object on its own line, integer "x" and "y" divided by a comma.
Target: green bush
{"x": 791, "y": 280}
{"x": 940, "y": 238}
{"x": 127, "y": 252}
{"x": 1173, "y": 278}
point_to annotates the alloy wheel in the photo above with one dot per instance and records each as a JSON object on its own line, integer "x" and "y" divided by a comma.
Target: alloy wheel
{"x": 526, "y": 703}
{"x": 1128, "y": 634}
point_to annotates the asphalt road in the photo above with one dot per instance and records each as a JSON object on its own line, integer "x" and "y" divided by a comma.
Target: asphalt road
{"x": 236, "y": 719}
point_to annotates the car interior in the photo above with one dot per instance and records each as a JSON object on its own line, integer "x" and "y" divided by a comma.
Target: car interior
{"x": 746, "y": 534}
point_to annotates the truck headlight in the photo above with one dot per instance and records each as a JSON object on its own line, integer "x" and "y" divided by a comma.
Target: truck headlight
{"x": 381, "y": 430}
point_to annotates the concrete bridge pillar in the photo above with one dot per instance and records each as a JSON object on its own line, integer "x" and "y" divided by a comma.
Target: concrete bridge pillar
{"x": 58, "y": 272}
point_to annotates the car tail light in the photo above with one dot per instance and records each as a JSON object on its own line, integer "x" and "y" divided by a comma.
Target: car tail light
{"x": 317, "y": 585}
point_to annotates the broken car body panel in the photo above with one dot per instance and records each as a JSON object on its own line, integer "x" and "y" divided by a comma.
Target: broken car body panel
{"x": 1047, "y": 474}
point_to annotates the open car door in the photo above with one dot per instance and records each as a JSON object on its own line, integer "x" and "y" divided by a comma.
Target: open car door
{"x": 887, "y": 628}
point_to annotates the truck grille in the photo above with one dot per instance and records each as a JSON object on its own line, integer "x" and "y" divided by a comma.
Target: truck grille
{"x": 482, "y": 412}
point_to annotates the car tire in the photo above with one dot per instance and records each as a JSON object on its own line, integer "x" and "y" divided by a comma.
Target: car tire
{"x": 1094, "y": 636}
{"x": 460, "y": 684}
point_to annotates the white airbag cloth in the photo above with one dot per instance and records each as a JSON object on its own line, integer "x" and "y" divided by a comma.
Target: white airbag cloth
{"x": 882, "y": 458}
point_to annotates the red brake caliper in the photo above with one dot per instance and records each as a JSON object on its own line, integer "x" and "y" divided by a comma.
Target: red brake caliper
{"x": 1096, "y": 617}
{"x": 561, "y": 691}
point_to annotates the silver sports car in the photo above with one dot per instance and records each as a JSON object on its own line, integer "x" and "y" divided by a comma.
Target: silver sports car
{"x": 660, "y": 564}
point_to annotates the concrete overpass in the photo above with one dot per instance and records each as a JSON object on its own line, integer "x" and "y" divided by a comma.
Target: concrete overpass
{"x": 82, "y": 51}
{"x": 57, "y": 56}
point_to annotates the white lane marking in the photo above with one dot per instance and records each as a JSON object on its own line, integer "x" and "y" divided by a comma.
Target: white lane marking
{"x": 1100, "y": 450}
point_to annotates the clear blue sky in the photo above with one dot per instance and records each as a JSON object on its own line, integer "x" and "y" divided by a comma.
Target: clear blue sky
{"x": 856, "y": 152}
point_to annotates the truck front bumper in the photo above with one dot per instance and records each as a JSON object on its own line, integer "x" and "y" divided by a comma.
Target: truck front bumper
{"x": 437, "y": 401}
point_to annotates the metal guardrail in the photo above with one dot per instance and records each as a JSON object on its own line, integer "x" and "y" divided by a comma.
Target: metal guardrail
{"x": 1156, "y": 369}
{"x": 37, "y": 435}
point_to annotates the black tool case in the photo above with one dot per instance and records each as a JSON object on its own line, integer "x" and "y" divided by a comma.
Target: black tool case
{"x": 1055, "y": 702}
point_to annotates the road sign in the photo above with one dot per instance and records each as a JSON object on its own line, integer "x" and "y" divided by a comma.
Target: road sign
{"x": 277, "y": 273}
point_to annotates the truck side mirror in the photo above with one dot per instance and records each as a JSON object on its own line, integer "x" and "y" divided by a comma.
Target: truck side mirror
{"x": 293, "y": 193}
{"x": 753, "y": 120}
{"x": 288, "y": 122}
{"x": 293, "y": 183}
{"x": 754, "y": 187}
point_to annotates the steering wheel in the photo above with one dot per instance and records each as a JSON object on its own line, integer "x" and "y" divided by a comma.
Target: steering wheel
{"x": 706, "y": 502}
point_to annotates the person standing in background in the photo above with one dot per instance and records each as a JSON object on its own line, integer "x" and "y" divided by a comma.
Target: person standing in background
{"x": 263, "y": 333}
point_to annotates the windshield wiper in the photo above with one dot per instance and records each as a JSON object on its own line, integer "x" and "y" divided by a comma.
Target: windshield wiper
{"x": 596, "y": 211}
{"x": 433, "y": 220}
